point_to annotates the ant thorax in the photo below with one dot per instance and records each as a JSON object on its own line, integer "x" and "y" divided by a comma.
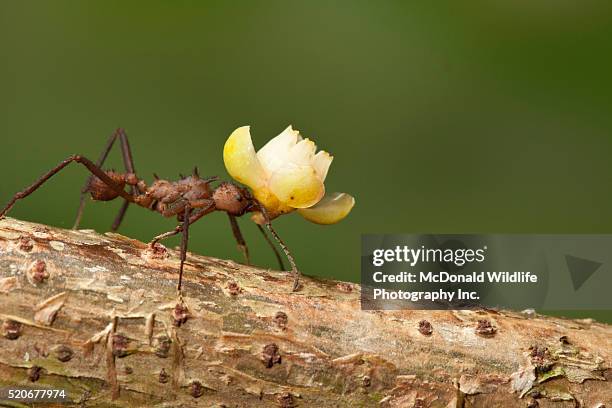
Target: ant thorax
{"x": 170, "y": 198}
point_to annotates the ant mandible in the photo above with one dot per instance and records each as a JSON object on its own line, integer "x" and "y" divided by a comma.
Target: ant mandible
{"x": 189, "y": 199}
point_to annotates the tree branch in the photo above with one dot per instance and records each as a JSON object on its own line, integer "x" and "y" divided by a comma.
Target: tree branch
{"x": 99, "y": 316}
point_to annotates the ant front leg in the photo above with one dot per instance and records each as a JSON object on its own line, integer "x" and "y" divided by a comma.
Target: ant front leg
{"x": 95, "y": 170}
{"x": 279, "y": 259}
{"x": 184, "y": 243}
{"x": 294, "y": 269}
{"x": 179, "y": 228}
{"x": 128, "y": 163}
{"x": 188, "y": 219}
{"x": 165, "y": 235}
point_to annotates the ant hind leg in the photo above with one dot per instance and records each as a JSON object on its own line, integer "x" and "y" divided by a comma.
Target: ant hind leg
{"x": 74, "y": 158}
{"x": 128, "y": 162}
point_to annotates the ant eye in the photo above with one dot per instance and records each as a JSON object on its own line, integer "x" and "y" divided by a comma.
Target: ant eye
{"x": 238, "y": 197}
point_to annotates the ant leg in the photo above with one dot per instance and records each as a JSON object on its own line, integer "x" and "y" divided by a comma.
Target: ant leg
{"x": 184, "y": 242}
{"x": 120, "y": 214}
{"x": 128, "y": 162}
{"x": 193, "y": 218}
{"x": 276, "y": 253}
{"x": 75, "y": 158}
{"x": 99, "y": 163}
{"x": 165, "y": 235}
{"x": 23, "y": 194}
{"x": 294, "y": 269}
{"x": 242, "y": 246}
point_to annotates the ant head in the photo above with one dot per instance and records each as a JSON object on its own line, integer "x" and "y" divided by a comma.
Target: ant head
{"x": 232, "y": 199}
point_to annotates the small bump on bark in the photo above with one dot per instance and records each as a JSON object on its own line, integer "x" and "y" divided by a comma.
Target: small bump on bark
{"x": 285, "y": 400}
{"x": 25, "y": 244}
{"x": 180, "y": 314}
{"x": 234, "y": 289}
{"x": 162, "y": 347}
{"x": 63, "y": 353}
{"x": 270, "y": 355}
{"x": 196, "y": 390}
{"x": 425, "y": 328}
{"x": 38, "y": 271}
{"x": 163, "y": 377}
{"x": 11, "y": 329}
{"x": 485, "y": 328}
{"x": 34, "y": 373}
{"x": 281, "y": 319}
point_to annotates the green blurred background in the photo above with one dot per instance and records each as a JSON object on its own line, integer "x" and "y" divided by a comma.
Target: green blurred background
{"x": 487, "y": 116}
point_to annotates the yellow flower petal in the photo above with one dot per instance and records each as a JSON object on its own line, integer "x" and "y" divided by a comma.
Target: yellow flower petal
{"x": 302, "y": 153}
{"x": 241, "y": 160}
{"x": 274, "y": 153}
{"x": 273, "y": 206}
{"x": 297, "y": 186}
{"x": 331, "y": 209}
{"x": 321, "y": 163}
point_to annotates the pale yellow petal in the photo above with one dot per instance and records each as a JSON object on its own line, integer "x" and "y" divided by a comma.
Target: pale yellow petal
{"x": 276, "y": 152}
{"x": 302, "y": 153}
{"x": 241, "y": 160}
{"x": 331, "y": 209}
{"x": 297, "y": 186}
{"x": 321, "y": 163}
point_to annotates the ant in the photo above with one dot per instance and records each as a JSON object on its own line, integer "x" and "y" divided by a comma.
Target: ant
{"x": 189, "y": 199}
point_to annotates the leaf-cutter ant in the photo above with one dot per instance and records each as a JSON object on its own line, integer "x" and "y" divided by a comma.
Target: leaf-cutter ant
{"x": 189, "y": 199}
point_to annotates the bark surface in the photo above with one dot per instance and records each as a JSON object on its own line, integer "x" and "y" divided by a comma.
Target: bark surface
{"x": 99, "y": 316}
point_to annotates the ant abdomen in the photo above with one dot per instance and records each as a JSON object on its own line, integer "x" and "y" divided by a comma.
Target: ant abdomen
{"x": 100, "y": 191}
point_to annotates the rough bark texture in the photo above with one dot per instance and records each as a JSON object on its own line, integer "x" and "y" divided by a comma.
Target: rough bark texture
{"x": 98, "y": 315}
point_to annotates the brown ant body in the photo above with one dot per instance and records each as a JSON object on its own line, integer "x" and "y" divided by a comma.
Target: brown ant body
{"x": 189, "y": 199}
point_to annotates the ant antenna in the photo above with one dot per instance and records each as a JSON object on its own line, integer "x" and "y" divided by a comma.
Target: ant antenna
{"x": 196, "y": 173}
